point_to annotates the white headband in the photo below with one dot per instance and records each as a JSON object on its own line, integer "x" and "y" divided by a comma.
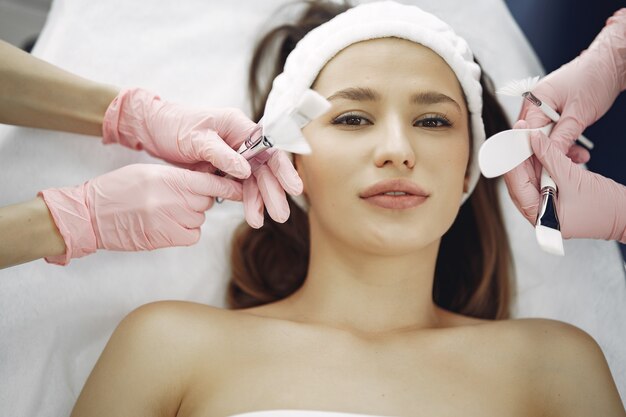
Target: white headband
{"x": 372, "y": 21}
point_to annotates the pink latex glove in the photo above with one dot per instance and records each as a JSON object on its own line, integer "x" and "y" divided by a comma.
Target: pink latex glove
{"x": 584, "y": 89}
{"x": 589, "y": 205}
{"x": 272, "y": 175}
{"x": 202, "y": 140}
{"x": 138, "y": 207}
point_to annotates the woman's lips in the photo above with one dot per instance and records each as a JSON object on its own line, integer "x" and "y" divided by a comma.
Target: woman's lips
{"x": 396, "y": 202}
{"x": 396, "y": 194}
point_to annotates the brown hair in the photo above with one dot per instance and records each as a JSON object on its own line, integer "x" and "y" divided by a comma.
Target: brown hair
{"x": 473, "y": 274}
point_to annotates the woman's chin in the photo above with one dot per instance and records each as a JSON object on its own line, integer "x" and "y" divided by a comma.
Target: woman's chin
{"x": 396, "y": 244}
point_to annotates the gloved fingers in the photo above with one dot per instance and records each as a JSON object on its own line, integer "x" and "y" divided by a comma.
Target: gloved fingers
{"x": 209, "y": 146}
{"x": 614, "y": 19}
{"x": 533, "y": 116}
{"x": 160, "y": 238}
{"x": 620, "y": 12}
{"x": 565, "y": 132}
{"x": 192, "y": 236}
{"x": 181, "y": 216}
{"x": 272, "y": 193}
{"x": 523, "y": 187}
{"x": 198, "y": 203}
{"x": 563, "y": 172}
{"x": 528, "y": 166}
{"x": 198, "y": 166}
{"x": 578, "y": 154}
{"x": 252, "y": 203}
{"x": 212, "y": 185}
{"x": 558, "y": 165}
{"x": 522, "y": 183}
{"x": 283, "y": 169}
{"x": 521, "y": 124}
{"x": 234, "y": 126}
{"x": 532, "y": 171}
{"x": 192, "y": 220}
{"x": 182, "y": 237}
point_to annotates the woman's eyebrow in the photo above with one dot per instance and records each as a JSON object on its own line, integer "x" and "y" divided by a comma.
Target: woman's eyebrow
{"x": 367, "y": 94}
{"x": 355, "y": 94}
{"x": 433, "y": 97}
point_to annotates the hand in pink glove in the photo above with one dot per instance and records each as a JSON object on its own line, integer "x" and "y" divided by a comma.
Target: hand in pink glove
{"x": 272, "y": 175}
{"x": 199, "y": 139}
{"x": 589, "y": 205}
{"x": 584, "y": 89}
{"x": 202, "y": 140}
{"x": 138, "y": 207}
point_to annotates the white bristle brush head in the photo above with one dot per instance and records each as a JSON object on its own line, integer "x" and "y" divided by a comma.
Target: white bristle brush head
{"x": 550, "y": 240}
{"x": 286, "y": 130}
{"x": 516, "y": 88}
{"x": 311, "y": 106}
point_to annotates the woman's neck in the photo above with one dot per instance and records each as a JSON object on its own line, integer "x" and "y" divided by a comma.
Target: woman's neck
{"x": 365, "y": 292}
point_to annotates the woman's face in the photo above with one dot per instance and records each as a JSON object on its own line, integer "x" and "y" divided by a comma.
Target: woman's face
{"x": 389, "y": 158}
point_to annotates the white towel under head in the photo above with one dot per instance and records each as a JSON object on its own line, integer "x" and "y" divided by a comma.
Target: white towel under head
{"x": 373, "y": 21}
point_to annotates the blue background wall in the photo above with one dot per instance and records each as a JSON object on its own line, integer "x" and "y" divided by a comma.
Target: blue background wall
{"x": 559, "y": 30}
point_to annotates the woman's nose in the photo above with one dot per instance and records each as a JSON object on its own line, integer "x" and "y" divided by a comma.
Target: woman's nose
{"x": 393, "y": 147}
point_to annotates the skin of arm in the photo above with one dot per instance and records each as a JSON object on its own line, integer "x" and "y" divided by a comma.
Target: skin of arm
{"x": 29, "y": 233}
{"x": 34, "y": 93}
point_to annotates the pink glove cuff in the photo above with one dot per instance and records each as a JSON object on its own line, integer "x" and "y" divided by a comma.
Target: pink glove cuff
{"x": 125, "y": 117}
{"x": 71, "y": 216}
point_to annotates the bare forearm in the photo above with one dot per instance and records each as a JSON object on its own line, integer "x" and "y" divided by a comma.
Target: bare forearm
{"x": 34, "y": 93}
{"x": 27, "y": 232}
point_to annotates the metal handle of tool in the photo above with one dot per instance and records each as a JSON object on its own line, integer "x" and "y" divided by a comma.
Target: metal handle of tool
{"x": 251, "y": 148}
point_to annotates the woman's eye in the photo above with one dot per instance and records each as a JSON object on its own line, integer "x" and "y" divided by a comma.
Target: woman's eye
{"x": 433, "y": 122}
{"x": 351, "y": 120}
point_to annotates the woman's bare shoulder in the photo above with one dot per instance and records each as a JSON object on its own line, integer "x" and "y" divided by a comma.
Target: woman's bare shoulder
{"x": 154, "y": 353}
{"x": 521, "y": 342}
{"x": 539, "y": 330}
{"x": 175, "y": 311}
{"x": 565, "y": 366}
{"x": 184, "y": 320}
{"x": 194, "y": 327}
{"x": 542, "y": 340}
{"x": 548, "y": 339}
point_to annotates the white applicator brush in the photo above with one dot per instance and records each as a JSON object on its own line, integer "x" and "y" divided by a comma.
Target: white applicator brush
{"x": 517, "y": 88}
{"x": 547, "y": 227}
{"x": 284, "y": 132}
